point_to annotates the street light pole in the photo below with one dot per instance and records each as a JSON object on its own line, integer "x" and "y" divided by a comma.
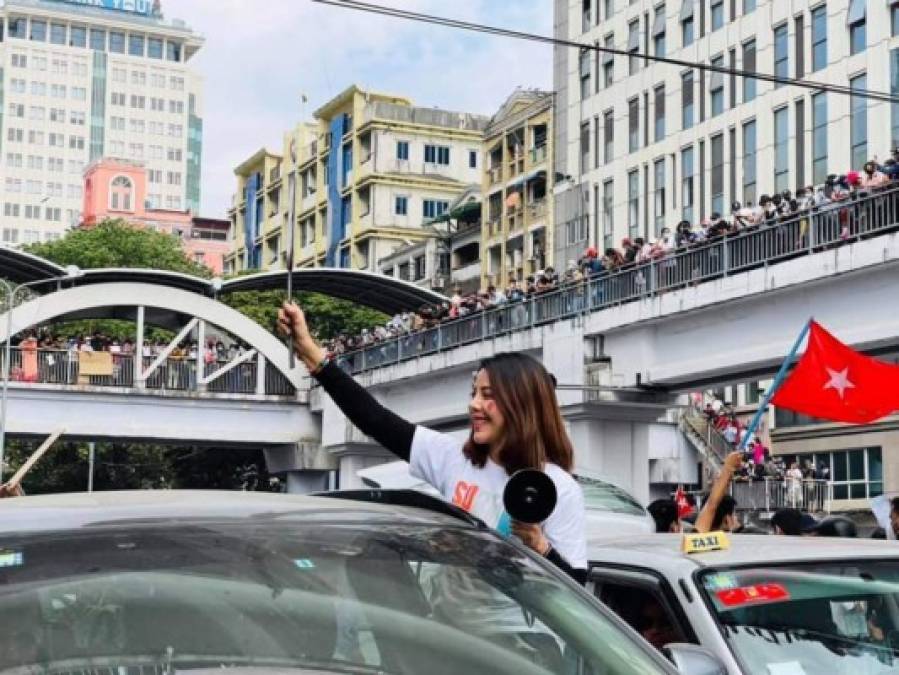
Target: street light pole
{"x": 72, "y": 272}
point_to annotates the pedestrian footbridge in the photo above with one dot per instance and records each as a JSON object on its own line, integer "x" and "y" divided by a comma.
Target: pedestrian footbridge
{"x": 625, "y": 346}
{"x": 249, "y": 398}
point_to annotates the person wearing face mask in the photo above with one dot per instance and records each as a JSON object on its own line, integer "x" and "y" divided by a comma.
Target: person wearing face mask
{"x": 871, "y": 178}
{"x": 516, "y": 424}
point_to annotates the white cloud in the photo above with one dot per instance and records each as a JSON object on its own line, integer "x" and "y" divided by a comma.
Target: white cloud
{"x": 259, "y": 57}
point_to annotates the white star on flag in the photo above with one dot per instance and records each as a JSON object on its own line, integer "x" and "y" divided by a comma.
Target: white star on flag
{"x": 839, "y": 380}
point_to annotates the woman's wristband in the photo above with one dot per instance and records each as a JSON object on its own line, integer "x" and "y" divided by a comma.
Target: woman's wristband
{"x": 320, "y": 366}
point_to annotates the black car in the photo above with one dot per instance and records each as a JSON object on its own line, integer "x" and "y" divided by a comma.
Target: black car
{"x": 133, "y": 583}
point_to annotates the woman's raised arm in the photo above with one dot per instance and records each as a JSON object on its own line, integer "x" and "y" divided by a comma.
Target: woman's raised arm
{"x": 360, "y": 407}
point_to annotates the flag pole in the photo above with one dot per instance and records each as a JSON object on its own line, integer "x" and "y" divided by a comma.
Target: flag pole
{"x": 775, "y": 385}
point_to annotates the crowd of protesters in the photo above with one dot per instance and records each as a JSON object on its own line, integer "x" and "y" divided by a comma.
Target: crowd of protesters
{"x": 757, "y": 461}
{"x": 833, "y": 197}
{"x": 47, "y": 357}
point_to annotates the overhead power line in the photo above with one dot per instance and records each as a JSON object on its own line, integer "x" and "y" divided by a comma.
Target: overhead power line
{"x": 534, "y": 37}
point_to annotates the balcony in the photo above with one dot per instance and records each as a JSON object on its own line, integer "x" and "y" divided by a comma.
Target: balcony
{"x": 516, "y": 166}
{"x": 537, "y": 211}
{"x": 515, "y": 219}
{"x": 494, "y": 175}
{"x": 494, "y": 226}
{"x": 538, "y": 154}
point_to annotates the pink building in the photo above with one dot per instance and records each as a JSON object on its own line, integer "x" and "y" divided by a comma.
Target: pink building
{"x": 117, "y": 188}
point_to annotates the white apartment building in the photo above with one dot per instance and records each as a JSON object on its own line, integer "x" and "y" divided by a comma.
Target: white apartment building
{"x": 88, "y": 79}
{"x": 649, "y": 144}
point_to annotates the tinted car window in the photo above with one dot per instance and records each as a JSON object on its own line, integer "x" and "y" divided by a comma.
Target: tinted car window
{"x": 603, "y": 496}
{"x": 294, "y": 596}
{"x": 823, "y": 618}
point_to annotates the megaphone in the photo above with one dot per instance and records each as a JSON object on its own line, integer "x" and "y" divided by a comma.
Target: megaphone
{"x": 530, "y": 496}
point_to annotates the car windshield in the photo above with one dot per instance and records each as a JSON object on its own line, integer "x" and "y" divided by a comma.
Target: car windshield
{"x": 299, "y": 597}
{"x": 602, "y": 496}
{"x": 835, "y": 618}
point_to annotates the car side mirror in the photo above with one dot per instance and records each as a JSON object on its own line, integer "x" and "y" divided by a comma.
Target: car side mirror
{"x": 693, "y": 659}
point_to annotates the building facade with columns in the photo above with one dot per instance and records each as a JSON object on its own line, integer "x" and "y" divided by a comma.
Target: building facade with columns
{"x": 370, "y": 171}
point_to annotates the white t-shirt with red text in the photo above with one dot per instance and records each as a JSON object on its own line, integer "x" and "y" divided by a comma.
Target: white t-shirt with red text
{"x": 438, "y": 459}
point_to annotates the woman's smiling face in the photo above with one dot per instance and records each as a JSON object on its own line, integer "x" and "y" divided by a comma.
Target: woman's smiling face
{"x": 486, "y": 419}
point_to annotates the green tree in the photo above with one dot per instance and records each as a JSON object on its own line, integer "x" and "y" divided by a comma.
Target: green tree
{"x": 114, "y": 243}
{"x": 327, "y": 316}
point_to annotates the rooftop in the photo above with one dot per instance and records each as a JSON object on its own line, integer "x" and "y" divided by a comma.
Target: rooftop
{"x": 98, "y": 509}
{"x": 347, "y": 95}
{"x": 102, "y": 14}
{"x": 663, "y": 551}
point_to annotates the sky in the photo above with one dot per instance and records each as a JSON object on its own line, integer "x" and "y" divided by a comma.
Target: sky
{"x": 260, "y": 57}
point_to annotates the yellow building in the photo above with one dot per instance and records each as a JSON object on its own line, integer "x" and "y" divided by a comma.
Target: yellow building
{"x": 371, "y": 170}
{"x": 517, "y": 234}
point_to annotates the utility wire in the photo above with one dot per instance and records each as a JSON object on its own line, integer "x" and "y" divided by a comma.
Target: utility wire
{"x": 534, "y": 37}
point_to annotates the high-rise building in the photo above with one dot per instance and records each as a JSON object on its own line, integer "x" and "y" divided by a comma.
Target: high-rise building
{"x": 84, "y": 80}
{"x": 370, "y": 171}
{"x": 649, "y": 144}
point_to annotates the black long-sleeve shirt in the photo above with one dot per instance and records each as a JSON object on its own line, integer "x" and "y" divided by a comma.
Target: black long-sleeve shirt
{"x": 392, "y": 431}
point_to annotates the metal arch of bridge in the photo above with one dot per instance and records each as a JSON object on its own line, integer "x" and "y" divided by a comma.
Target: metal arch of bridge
{"x": 94, "y": 298}
{"x": 380, "y": 292}
{"x": 20, "y": 267}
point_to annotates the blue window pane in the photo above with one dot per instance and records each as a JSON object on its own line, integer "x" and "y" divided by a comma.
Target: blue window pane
{"x": 78, "y": 36}
{"x": 98, "y": 39}
{"x": 687, "y": 32}
{"x": 781, "y": 53}
{"x": 717, "y": 15}
{"x": 117, "y": 42}
{"x": 18, "y": 28}
{"x": 39, "y": 30}
{"x": 57, "y": 33}
{"x": 136, "y": 45}
{"x": 858, "y": 123}
{"x": 173, "y": 51}
{"x": 857, "y": 38}
{"x": 402, "y": 150}
{"x": 819, "y": 38}
{"x": 154, "y": 48}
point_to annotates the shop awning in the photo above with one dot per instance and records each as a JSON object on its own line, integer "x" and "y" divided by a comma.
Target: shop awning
{"x": 466, "y": 209}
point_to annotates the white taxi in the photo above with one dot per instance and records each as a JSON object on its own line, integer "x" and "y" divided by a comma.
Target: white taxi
{"x": 765, "y": 605}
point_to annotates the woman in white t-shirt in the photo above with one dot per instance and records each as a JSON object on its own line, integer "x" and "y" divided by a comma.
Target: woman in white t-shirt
{"x": 515, "y": 424}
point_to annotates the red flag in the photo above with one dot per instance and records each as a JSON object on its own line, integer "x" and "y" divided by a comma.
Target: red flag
{"x": 683, "y": 506}
{"x": 834, "y": 382}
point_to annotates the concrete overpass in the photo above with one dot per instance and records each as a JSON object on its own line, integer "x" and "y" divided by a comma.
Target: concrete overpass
{"x": 626, "y": 345}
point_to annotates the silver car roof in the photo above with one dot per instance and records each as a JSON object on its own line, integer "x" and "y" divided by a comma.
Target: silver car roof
{"x": 662, "y": 552}
{"x": 77, "y": 510}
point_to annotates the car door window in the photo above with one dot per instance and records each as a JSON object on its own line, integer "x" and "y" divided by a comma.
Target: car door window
{"x": 644, "y": 609}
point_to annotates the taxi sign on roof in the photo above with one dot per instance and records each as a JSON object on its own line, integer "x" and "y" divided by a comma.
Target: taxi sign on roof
{"x": 702, "y": 542}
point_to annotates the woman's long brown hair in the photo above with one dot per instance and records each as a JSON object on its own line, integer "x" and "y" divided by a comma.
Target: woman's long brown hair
{"x": 534, "y": 433}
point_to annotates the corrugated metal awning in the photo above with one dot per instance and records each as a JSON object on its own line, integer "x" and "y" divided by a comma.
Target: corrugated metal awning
{"x": 658, "y": 23}
{"x": 633, "y": 41}
{"x": 856, "y": 12}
